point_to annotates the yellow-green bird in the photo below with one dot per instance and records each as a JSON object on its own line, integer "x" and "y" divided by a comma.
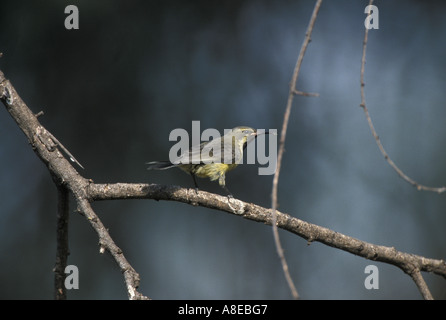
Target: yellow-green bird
{"x": 212, "y": 159}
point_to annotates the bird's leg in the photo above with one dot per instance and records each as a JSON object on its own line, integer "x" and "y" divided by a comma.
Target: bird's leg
{"x": 222, "y": 183}
{"x": 229, "y": 192}
{"x": 195, "y": 183}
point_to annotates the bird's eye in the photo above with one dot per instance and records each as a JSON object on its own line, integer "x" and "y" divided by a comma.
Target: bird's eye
{"x": 246, "y": 131}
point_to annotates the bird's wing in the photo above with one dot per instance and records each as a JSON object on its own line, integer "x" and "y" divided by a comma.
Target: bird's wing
{"x": 219, "y": 150}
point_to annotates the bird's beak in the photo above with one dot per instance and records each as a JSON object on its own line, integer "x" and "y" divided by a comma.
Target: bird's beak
{"x": 255, "y": 134}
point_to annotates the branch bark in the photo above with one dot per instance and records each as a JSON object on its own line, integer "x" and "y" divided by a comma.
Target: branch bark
{"x": 421, "y": 284}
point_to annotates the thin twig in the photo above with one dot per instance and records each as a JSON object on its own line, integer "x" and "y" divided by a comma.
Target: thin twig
{"x": 286, "y": 117}
{"x": 72, "y": 158}
{"x": 375, "y": 135}
{"x": 131, "y": 277}
{"x": 415, "y": 274}
{"x": 306, "y": 94}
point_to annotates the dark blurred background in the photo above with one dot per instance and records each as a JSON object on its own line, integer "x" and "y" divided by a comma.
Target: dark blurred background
{"x": 114, "y": 89}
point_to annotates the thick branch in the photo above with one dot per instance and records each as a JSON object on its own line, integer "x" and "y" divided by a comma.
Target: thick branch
{"x": 311, "y": 232}
{"x": 64, "y": 175}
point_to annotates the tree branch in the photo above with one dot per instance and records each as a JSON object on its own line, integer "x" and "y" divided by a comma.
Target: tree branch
{"x": 421, "y": 284}
{"x": 407, "y": 262}
{"x": 375, "y": 134}
{"x": 64, "y": 175}
{"x": 286, "y": 118}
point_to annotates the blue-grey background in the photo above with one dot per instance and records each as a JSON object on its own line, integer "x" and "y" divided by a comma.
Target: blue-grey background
{"x": 114, "y": 89}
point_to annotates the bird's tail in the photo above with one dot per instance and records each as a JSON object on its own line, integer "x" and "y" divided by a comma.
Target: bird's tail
{"x": 160, "y": 165}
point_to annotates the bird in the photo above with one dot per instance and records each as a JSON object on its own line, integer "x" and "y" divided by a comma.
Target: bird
{"x": 211, "y": 159}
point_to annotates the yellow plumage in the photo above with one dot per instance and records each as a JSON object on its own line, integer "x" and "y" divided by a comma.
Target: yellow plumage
{"x": 210, "y": 166}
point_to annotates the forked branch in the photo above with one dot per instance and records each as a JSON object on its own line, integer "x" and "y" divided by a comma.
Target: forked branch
{"x": 65, "y": 177}
{"x": 409, "y": 263}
